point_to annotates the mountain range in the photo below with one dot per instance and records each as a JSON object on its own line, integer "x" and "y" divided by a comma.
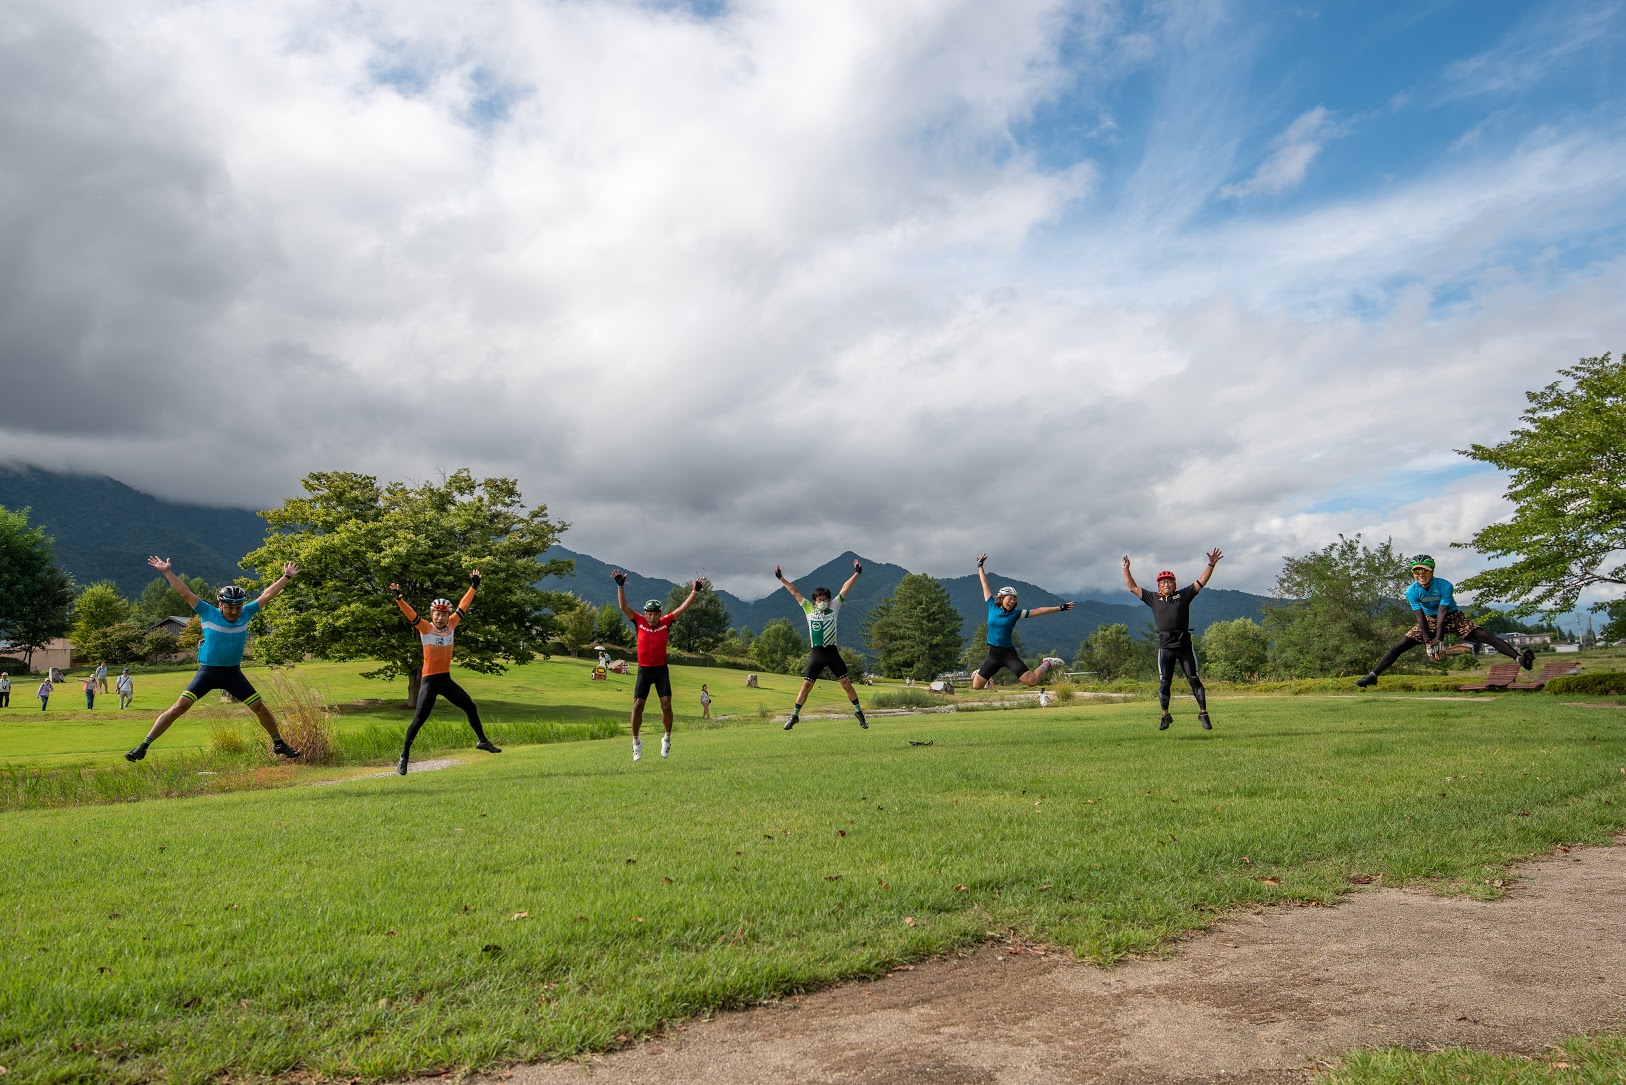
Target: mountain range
{"x": 104, "y": 530}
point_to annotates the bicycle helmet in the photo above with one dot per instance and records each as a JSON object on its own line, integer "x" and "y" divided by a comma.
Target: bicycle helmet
{"x": 441, "y": 604}
{"x": 231, "y": 594}
{"x": 653, "y": 606}
{"x": 1167, "y": 575}
{"x": 1423, "y": 561}
{"x": 1003, "y": 592}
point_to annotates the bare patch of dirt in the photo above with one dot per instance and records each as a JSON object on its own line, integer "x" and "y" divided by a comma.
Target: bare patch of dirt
{"x": 1262, "y": 998}
{"x": 433, "y": 764}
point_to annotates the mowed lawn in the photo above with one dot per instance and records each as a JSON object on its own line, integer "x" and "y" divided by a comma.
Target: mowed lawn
{"x": 561, "y": 690}
{"x": 559, "y": 899}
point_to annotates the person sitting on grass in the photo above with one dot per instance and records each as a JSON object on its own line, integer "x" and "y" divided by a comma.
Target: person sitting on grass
{"x": 1434, "y": 606}
{"x": 1171, "y": 613}
{"x": 653, "y": 631}
{"x": 1002, "y": 618}
{"x": 822, "y": 611}
{"x": 437, "y": 635}
{"x": 220, "y": 655}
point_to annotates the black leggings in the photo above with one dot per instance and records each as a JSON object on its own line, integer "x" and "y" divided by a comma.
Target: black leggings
{"x": 1185, "y": 657}
{"x": 1406, "y": 644}
{"x": 441, "y": 685}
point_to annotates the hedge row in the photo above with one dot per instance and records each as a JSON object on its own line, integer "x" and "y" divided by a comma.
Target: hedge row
{"x": 1608, "y": 683}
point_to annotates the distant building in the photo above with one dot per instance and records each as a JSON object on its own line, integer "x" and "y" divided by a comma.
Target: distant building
{"x": 58, "y": 653}
{"x": 174, "y": 625}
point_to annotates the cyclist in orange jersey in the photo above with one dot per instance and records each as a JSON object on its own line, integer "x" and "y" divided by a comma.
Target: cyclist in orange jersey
{"x": 437, "y": 634}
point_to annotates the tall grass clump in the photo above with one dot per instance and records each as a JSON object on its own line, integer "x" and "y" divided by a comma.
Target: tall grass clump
{"x": 1064, "y": 691}
{"x": 305, "y": 719}
{"x": 377, "y": 742}
{"x": 176, "y": 776}
{"x": 907, "y": 697}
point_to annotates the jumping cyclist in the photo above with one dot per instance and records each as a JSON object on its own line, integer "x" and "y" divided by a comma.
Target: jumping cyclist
{"x": 1435, "y": 608}
{"x": 1002, "y": 619}
{"x": 1171, "y": 612}
{"x": 821, "y": 613}
{"x": 653, "y": 631}
{"x": 437, "y": 635}
{"x": 220, "y": 655}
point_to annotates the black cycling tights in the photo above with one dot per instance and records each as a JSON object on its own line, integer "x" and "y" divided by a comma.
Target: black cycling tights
{"x": 1184, "y": 657}
{"x": 441, "y": 685}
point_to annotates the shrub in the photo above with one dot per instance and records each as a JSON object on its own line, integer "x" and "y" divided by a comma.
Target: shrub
{"x": 1063, "y": 691}
{"x": 907, "y": 697}
{"x": 1607, "y": 683}
{"x": 226, "y": 738}
{"x": 306, "y": 721}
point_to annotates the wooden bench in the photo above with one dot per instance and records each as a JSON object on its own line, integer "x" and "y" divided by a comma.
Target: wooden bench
{"x": 1549, "y": 671}
{"x": 1501, "y": 676}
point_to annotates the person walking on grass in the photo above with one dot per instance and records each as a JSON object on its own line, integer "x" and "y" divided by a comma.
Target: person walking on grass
{"x": 822, "y": 611}
{"x": 705, "y": 702}
{"x": 1002, "y": 618}
{"x": 101, "y": 677}
{"x": 437, "y": 635}
{"x": 126, "y": 687}
{"x": 1171, "y": 613}
{"x": 44, "y": 692}
{"x": 90, "y": 693}
{"x": 5, "y": 690}
{"x": 653, "y": 632}
{"x": 220, "y": 654}
{"x": 1434, "y": 606}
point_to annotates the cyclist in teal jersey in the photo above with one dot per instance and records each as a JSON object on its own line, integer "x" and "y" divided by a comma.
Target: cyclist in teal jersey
{"x": 822, "y": 611}
{"x": 1002, "y": 618}
{"x": 220, "y": 656}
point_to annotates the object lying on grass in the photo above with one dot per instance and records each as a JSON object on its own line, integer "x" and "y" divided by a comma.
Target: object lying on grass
{"x": 928, "y": 742}
{"x": 1500, "y": 677}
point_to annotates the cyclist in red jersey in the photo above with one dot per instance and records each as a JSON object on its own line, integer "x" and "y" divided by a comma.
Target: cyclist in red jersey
{"x": 653, "y": 629}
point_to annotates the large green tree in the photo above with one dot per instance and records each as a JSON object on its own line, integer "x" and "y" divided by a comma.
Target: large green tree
{"x": 915, "y": 631}
{"x": 1234, "y": 651}
{"x": 1567, "y": 468}
{"x": 352, "y": 537}
{"x": 1338, "y": 609}
{"x": 99, "y": 606}
{"x": 1109, "y": 652}
{"x": 704, "y": 625}
{"x": 779, "y": 646}
{"x": 611, "y": 627}
{"x": 36, "y": 596}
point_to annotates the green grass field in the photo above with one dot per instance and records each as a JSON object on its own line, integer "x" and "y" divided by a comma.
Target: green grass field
{"x": 558, "y": 898}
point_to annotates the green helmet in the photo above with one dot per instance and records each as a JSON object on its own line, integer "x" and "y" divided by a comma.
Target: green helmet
{"x": 1422, "y": 561}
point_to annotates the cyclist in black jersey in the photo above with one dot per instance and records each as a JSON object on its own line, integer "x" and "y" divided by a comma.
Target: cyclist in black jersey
{"x": 1171, "y": 611}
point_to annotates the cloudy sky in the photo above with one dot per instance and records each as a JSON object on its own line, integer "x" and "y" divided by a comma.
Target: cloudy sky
{"x": 725, "y": 284}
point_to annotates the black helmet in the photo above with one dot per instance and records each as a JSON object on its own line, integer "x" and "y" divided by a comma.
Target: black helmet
{"x": 1423, "y": 561}
{"x": 653, "y": 606}
{"x": 233, "y": 594}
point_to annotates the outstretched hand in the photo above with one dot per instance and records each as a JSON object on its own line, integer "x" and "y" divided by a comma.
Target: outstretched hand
{"x": 1126, "y": 561}
{"x": 1066, "y": 606}
{"x": 396, "y": 588}
{"x": 290, "y": 569}
{"x": 778, "y": 573}
{"x": 161, "y": 564}
{"x": 858, "y": 566}
{"x": 980, "y": 559}
{"x": 619, "y": 577}
{"x": 1213, "y": 556}
{"x": 699, "y": 585}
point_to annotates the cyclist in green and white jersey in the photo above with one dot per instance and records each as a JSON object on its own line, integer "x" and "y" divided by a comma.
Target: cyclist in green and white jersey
{"x": 822, "y": 611}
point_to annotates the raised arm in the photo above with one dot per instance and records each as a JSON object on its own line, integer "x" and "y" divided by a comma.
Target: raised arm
{"x": 987, "y": 592}
{"x": 1129, "y": 579}
{"x": 779, "y": 575}
{"x": 406, "y": 608}
{"x": 162, "y": 565}
{"x": 468, "y": 597}
{"x": 620, "y": 579}
{"x": 1213, "y": 560}
{"x": 289, "y": 571}
{"x": 694, "y": 593}
{"x": 851, "y": 580}
{"x": 1037, "y": 612}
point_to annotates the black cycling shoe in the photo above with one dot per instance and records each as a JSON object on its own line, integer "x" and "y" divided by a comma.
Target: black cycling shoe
{"x": 790, "y": 723}
{"x": 1527, "y": 659}
{"x": 862, "y": 722}
{"x": 1208, "y": 724}
{"x": 1367, "y": 680}
{"x": 282, "y": 749}
{"x": 1163, "y": 724}
{"x": 485, "y": 744}
{"x": 137, "y": 754}
{"x": 401, "y": 765}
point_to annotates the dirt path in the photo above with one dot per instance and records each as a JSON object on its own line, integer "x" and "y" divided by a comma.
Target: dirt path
{"x": 1259, "y": 999}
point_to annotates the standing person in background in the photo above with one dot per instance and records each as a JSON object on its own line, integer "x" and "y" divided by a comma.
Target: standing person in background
{"x": 126, "y": 687}
{"x": 705, "y": 702}
{"x": 5, "y": 690}
{"x": 220, "y": 654}
{"x": 1002, "y": 618}
{"x": 822, "y": 611}
{"x": 90, "y": 692}
{"x": 44, "y": 693}
{"x": 653, "y": 673}
{"x": 101, "y": 676}
{"x": 1171, "y": 612}
{"x": 437, "y": 636}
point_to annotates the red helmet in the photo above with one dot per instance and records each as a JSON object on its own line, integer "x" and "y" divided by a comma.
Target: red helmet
{"x": 1166, "y": 575}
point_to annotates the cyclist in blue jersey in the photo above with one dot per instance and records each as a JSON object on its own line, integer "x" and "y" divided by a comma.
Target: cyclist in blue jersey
{"x": 220, "y": 655}
{"x": 1002, "y": 618}
{"x": 1435, "y": 607}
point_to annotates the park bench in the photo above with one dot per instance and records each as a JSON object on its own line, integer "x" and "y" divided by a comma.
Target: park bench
{"x": 1500, "y": 677}
{"x": 1549, "y": 671}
